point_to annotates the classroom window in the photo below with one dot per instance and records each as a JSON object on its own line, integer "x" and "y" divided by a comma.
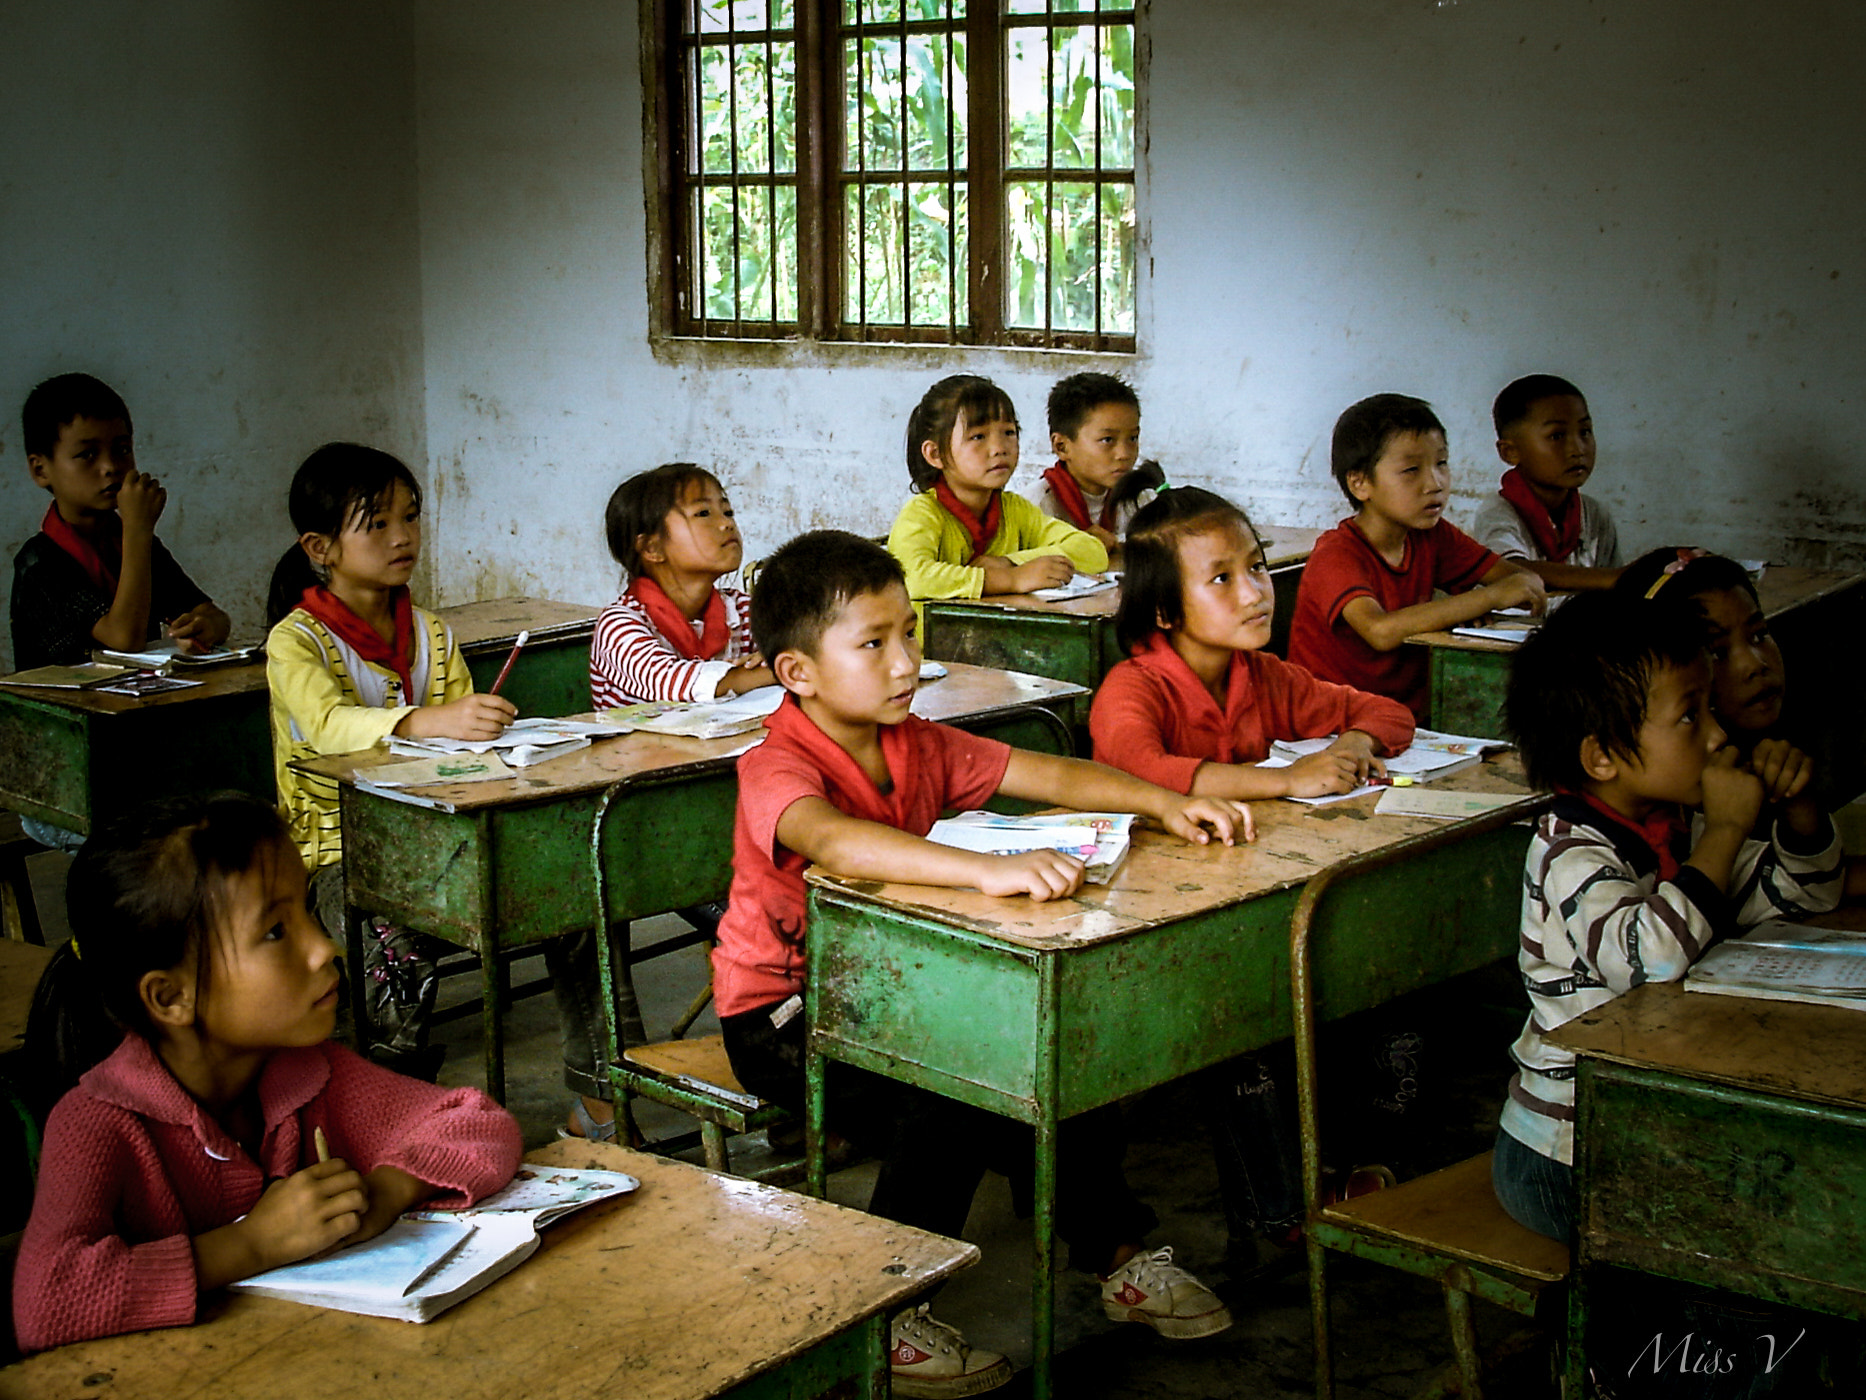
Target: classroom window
{"x": 945, "y": 171}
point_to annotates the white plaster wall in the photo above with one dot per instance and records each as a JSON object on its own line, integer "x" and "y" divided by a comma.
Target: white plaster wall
{"x": 1343, "y": 196}
{"x": 210, "y": 204}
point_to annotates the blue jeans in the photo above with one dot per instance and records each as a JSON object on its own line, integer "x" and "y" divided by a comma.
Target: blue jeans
{"x": 1537, "y": 1191}
{"x": 46, "y": 834}
{"x": 1255, "y": 1140}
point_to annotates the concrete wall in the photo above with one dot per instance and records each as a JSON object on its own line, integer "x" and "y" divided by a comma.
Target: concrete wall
{"x": 210, "y": 204}
{"x": 1342, "y": 196}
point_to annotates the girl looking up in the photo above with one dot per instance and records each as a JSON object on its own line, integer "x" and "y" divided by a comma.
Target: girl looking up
{"x": 189, "y": 1157}
{"x": 963, "y": 535}
{"x": 675, "y": 633}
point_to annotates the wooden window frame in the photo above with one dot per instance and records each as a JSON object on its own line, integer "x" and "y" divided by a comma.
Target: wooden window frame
{"x": 820, "y": 181}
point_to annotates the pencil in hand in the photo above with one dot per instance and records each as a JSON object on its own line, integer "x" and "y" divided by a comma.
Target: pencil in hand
{"x": 506, "y": 669}
{"x": 323, "y": 1147}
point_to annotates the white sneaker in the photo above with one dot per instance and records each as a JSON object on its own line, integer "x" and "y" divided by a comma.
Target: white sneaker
{"x": 1150, "y": 1288}
{"x": 930, "y": 1360}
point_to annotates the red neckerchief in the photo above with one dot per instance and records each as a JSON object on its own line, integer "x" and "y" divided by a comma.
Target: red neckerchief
{"x": 677, "y": 627}
{"x": 848, "y": 787}
{"x": 1158, "y": 655}
{"x": 1661, "y": 832}
{"x": 367, "y": 642}
{"x": 1557, "y": 539}
{"x": 980, "y": 532}
{"x": 109, "y": 533}
{"x": 1069, "y": 495}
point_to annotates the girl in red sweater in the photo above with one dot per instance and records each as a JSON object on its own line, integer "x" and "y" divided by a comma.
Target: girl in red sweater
{"x": 191, "y": 1152}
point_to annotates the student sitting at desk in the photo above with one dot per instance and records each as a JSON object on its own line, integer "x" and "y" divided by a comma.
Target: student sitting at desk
{"x": 963, "y": 535}
{"x": 1369, "y": 584}
{"x": 1611, "y": 706}
{"x": 675, "y": 633}
{"x": 194, "y": 1155}
{"x": 1099, "y": 481}
{"x": 1539, "y": 514}
{"x": 846, "y": 777}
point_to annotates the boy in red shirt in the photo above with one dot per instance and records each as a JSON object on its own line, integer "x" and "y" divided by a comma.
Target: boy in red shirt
{"x": 1369, "y": 584}
{"x": 848, "y": 778}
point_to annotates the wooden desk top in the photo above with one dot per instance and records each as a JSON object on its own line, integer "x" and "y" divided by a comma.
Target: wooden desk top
{"x": 965, "y": 693}
{"x": 488, "y": 626}
{"x": 20, "y": 966}
{"x": 1781, "y": 589}
{"x": 678, "y": 1292}
{"x": 216, "y": 682}
{"x": 1792, "y": 1048}
{"x": 1164, "y": 879}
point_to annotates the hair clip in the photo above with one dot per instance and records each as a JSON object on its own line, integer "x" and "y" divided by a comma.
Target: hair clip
{"x": 1678, "y": 565}
{"x": 76, "y": 952}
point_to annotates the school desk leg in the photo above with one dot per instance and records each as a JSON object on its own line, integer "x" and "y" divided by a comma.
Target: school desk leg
{"x": 815, "y": 1103}
{"x": 1043, "y": 1282}
{"x": 491, "y": 1003}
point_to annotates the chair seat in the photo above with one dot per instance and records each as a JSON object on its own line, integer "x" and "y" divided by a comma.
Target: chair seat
{"x": 1455, "y": 1212}
{"x": 698, "y": 1065}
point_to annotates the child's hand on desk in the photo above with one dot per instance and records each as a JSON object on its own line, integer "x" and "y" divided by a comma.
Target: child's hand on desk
{"x": 1341, "y": 767}
{"x": 1732, "y": 795}
{"x": 306, "y": 1213}
{"x": 1047, "y": 571}
{"x": 391, "y": 1191}
{"x": 1521, "y": 589}
{"x": 747, "y": 673}
{"x": 470, "y": 717}
{"x": 201, "y": 628}
{"x": 1040, "y": 874}
{"x": 1197, "y": 819}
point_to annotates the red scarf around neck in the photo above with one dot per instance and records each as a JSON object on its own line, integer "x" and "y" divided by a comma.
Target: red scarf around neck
{"x": 980, "y": 532}
{"x": 677, "y": 627}
{"x": 846, "y": 783}
{"x": 1557, "y": 539}
{"x": 101, "y": 566}
{"x": 1662, "y": 832}
{"x": 365, "y": 640}
{"x": 1070, "y": 496}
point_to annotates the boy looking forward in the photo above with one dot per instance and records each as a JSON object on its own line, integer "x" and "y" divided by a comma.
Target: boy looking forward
{"x": 1369, "y": 584}
{"x": 1610, "y": 704}
{"x": 847, "y": 778}
{"x": 1539, "y": 514}
{"x": 96, "y": 575}
{"x": 1099, "y": 481}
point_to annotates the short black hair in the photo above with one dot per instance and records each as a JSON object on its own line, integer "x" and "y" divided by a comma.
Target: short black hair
{"x": 1073, "y": 399}
{"x": 639, "y": 507}
{"x": 336, "y": 486}
{"x": 1363, "y": 431}
{"x": 1587, "y": 672}
{"x": 1521, "y": 395}
{"x": 62, "y": 399}
{"x": 1150, "y": 586}
{"x": 1672, "y": 579}
{"x": 805, "y": 585}
{"x": 958, "y": 398}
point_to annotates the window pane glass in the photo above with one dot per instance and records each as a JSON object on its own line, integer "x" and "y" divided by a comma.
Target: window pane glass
{"x": 875, "y": 291}
{"x": 754, "y": 254}
{"x": 1117, "y": 259}
{"x": 715, "y": 110}
{"x": 881, "y": 104}
{"x": 752, "y": 118}
{"x": 1072, "y": 6}
{"x": 929, "y": 104}
{"x": 719, "y": 271}
{"x": 749, "y": 14}
{"x": 1117, "y": 97}
{"x": 938, "y": 279}
{"x": 852, "y": 104}
{"x": 783, "y": 16}
{"x": 1073, "y": 249}
{"x": 1027, "y": 7}
{"x": 880, "y": 10}
{"x": 1026, "y": 87}
{"x": 1026, "y": 241}
{"x": 714, "y": 18}
{"x": 784, "y": 100}
{"x": 1072, "y": 72}
{"x": 932, "y": 9}
{"x": 784, "y": 253}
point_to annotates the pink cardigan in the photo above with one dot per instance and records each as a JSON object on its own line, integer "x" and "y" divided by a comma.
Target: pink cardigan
{"x": 133, "y": 1169}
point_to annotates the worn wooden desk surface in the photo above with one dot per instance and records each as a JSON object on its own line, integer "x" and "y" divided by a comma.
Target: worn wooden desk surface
{"x": 20, "y": 966}
{"x": 1030, "y": 1009}
{"x": 697, "y": 1285}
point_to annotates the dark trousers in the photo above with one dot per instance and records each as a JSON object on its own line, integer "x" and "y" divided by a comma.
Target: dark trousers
{"x": 934, "y": 1150}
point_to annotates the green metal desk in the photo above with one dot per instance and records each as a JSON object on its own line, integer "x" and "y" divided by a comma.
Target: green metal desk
{"x": 1721, "y": 1141}
{"x": 70, "y": 757}
{"x": 1815, "y": 616}
{"x": 1074, "y": 640}
{"x": 696, "y": 1286}
{"x": 502, "y": 865}
{"x": 1043, "y": 1011}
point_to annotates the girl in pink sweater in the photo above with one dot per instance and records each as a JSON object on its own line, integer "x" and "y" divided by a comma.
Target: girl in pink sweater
{"x": 191, "y": 1156}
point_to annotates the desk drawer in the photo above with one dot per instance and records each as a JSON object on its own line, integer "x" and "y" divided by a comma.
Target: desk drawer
{"x": 1761, "y": 1195}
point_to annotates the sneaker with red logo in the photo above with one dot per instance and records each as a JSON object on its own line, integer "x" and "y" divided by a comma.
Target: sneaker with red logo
{"x": 1150, "y": 1288}
{"x": 930, "y": 1360}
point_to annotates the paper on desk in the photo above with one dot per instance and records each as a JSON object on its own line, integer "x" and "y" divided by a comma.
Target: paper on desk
{"x": 524, "y": 743}
{"x": 1443, "y": 804}
{"x": 714, "y": 719}
{"x": 1081, "y": 586}
{"x": 1514, "y": 635}
{"x": 145, "y": 683}
{"x": 442, "y": 768}
{"x": 933, "y": 671}
{"x": 172, "y": 652}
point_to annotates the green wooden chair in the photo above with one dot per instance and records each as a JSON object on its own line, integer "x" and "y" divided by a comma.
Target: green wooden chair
{"x": 1446, "y": 1226}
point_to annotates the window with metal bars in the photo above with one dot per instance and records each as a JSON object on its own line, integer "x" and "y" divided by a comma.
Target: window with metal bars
{"x": 945, "y": 171}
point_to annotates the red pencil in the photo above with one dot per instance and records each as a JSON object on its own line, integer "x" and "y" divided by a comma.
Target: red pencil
{"x": 506, "y": 669}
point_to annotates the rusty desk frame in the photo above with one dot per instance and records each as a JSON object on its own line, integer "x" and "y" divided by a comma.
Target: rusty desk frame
{"x": 1810, "y": 611}
{"x": 70, "y": 757}
{"x": 1028, "y": 1010}
{"x": 1720, "y": 1141}
{"x": 502, "y": 865}
{"x": 1074, "y": 640}
{"x": 776, "y": 1297}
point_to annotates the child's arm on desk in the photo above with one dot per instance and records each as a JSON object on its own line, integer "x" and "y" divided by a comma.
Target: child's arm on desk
{"x": 1569, "y": 578}
{"x": 1095, "y": 787}
{"x": 1507, "y": 585}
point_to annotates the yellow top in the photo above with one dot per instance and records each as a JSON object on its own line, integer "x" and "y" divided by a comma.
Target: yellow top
{"x": 933, "y": 546}
{"x": 327, "y": 699}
